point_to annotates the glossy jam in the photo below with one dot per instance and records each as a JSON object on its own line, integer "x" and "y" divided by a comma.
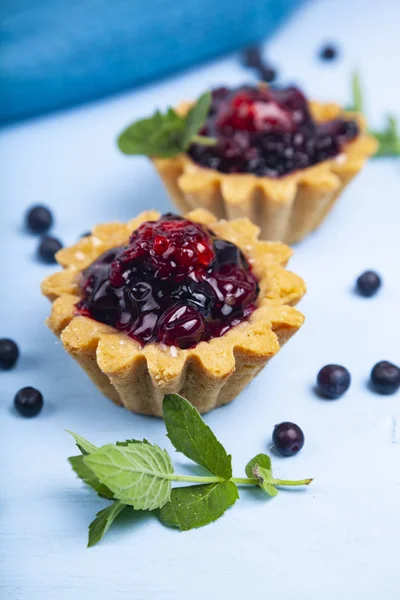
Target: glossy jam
{"x": 174, "y": 283}
{"x": 268, "y": 133}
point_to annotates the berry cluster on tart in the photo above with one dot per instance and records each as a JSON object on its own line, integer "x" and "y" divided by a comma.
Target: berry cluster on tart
{"x": 279, "y": 159}
{"x": 168, "y": 304}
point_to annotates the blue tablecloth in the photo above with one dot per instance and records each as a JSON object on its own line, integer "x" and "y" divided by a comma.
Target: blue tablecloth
{"x": 57, "y": 53}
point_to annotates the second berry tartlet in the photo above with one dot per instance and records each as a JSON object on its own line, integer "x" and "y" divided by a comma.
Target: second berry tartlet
{"x": 279, "y": 159}
{"x": 169, "y": 304}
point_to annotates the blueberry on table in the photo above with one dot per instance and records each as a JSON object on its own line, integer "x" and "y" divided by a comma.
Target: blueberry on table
{"x": 28, "y": 402}
{"x": 267, "y": 74}
{"x": 288, "y": 438}
{"x": 39, "y": 219}
{"x": 9, "y": 353}
{"x": 368, "y": 284}
{"x": 385, "y": 377}
{"x": 333, "y": 381}
{"x": 48, "y": 248}
{"x": 251, "y": 56}
{"x": 328, "y": 52}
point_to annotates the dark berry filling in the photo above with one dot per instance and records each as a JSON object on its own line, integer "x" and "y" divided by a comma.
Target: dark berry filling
{"x": 268, "y": 132}
{"x": 174, "y": 283}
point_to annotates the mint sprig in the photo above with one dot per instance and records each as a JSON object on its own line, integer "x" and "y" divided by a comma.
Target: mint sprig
{"x": 167, "y": 134}
{"x": 388, "y": 137}
{"x": 139, "y": 475}
{"x": 198, "y": 505}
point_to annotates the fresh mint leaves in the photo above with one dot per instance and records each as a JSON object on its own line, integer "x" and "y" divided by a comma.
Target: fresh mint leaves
{"x": 357, "y": 103}
{"x": 103, "y": 521}
{"x": 137, "y": 474}
{"x": 191, "y": 436}
{"x": 198, "y": 505}
{"x": 84, "y": 446}
{"x": 388, "y": 137}
{"x": 167, "y": 134}
{"x": 262, "y": 460}
{"x": 87, "y": 475}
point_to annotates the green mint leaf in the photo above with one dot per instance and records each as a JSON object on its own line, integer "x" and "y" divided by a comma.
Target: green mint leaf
{"x": 388, "y": 138}
{"x": 83, "y": 471}
{"x": 263, "y": 460}
{"x": 159, "y": 135}
{"x": 198, "y": 505}
{"x": 265, "y": 480}
{"x": 132, "y": 441}
{"x": 103, "y": 521}
{"x": 195, "y": 118}
{"x": 191, "y": 436}
{"x": 84, "y": 446}
{"x": 138, "y": 474}
{"x": 166, "y": 134}
{"x": 357, "y": 103}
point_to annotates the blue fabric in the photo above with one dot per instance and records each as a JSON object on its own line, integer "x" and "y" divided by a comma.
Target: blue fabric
{"x": 56, "y": 53}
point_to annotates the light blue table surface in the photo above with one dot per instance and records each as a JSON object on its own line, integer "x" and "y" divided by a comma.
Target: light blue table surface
{"x": 337, "y": 539}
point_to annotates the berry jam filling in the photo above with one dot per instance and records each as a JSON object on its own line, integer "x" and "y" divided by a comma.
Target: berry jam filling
{"x": 268, "y": 132}
{"x": 174, "y": 283}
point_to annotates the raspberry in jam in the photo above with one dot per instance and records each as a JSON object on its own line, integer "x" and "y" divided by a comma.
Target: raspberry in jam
{"x": 174, "y": 283}
{"x": 268, "y": 132}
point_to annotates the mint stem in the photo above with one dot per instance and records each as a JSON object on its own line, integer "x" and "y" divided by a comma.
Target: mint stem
{"x": 203, "y": 140}
{"x": 237, "y": 480}
{"x": 245, "y": 481}
{"x": 194, "y": 479}
{"x": 290, "y": 482}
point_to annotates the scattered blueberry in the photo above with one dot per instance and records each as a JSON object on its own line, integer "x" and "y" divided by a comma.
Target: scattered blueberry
{"x": 28, "y": 402}
{"x": 9, "y": 353}
{"x": 328, "y": 52}
{"x": 333, "y": 381}
{"x": 86, "y": 234}
{"x": 288, "y": 438}
{"x": 267, "y": 74}
{"x": 48, "y": 248}
{"x": 385, "y": 377}
{"x": 251, "y": 56}
{"x": 368, "y": 283}
{"x": 39, "y": 219}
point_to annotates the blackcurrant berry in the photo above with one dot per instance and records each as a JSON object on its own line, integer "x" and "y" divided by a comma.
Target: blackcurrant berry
{"x": 288, "y": 438}
{"x": 28, "y": 402}
{"x": 39, "y": 219}
{"x": 333, "y": 381}
{"x": 385, "y": 377}
{"x": 9, "y": 353}
{"x": 368, "y": 283}
{"x": 48, "y": 248}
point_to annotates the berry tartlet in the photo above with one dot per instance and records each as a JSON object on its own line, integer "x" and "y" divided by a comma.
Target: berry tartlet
{"x": 279, "y": 159}
{"x": 167, "y": 304}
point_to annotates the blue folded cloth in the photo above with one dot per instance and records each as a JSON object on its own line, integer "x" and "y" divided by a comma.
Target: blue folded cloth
{"x": 57, "y": 53}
